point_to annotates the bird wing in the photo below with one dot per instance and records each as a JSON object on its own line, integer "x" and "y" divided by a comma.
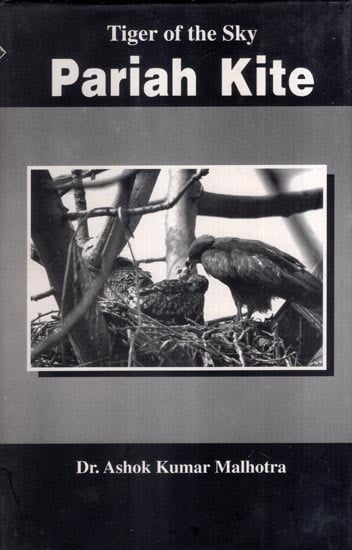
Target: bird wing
{"x": 237, "y": 265}
{"x": 258, "y": 247}
{"x": 254, "y": 264}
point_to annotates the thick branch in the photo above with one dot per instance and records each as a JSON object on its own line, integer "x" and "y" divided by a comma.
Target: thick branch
{"x": 93, "y": 254}
{"x": 73, "y": 319}
{"x": 180, "y": 221}
{"x": 52, "y": 236}
{"x": 113, "y": 246}
{"x": 141, "y": 192}
{"x": 244, "y": 206}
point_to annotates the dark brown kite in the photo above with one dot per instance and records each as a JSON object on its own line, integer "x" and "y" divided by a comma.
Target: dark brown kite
{"x": 255, "y": 272}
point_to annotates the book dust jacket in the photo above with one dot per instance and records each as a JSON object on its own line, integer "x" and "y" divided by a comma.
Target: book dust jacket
{"x": 175, "y": 198}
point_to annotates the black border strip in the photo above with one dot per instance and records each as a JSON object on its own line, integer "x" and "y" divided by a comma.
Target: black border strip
{"x": 46, "y": 504}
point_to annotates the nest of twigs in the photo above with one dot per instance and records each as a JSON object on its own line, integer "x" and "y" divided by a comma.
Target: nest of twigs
{"x": 140, "y": 341}
{"x": 61, "y": 355}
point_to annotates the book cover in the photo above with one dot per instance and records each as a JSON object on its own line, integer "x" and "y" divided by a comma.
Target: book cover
{"x": 176, "y": 277}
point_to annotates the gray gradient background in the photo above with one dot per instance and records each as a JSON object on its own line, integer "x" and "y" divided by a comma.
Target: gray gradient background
{"x": 175, "y": 409}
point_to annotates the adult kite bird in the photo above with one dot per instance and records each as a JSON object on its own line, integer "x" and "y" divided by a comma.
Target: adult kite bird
{"x": 256, "y": 272}
{"x": 171, "y": 301}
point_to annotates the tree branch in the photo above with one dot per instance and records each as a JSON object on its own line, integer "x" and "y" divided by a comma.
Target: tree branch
{"x": 151, "y": 260}
{"x": 134, "y": 192}
{"x": 42, "y": 295}
{"x": 123, "y": 176}
{"x": 158, "y": 207}
{"x": 180, "y": 221}
{"x": 81, "y": 204}
{"x": 72, "y": 318}
{"x": 52, "y": 237}
{"x": 150, "y": 208}
{"x": 276, "y": 181}
{"x": 229, "y": 206}
{"x": 108, "y": 211}
{"x": 66, "y": 178}
{"x": 247, "y": 206}
{"x": 111, "y": 232}
{"x": 142, "y": 188}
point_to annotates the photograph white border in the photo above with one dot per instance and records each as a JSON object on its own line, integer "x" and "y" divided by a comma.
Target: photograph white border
{"x": 255, "y": 370}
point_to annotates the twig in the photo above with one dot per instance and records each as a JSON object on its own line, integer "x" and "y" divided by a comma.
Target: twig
{"x": 148, "y": 323}
{"x": 65, "y": 178}
{"x": 168, "y": 344}
{"x": 42, "y": 295}
{"x": 40, "y": 315}
{"x": 80, "y": 203}
{"x": 220, "y": 320}
{"x": 238, "y": 349}
{"x": 98, "y": 212}
{"x": 151, "y": 208}
{"x": 125, "y": 175}
{"x": 151, "y": 260}
{"x": 166, "y": 205}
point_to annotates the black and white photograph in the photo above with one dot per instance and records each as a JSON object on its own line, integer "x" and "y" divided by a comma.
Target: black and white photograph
{"x": 178, "y": 268}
